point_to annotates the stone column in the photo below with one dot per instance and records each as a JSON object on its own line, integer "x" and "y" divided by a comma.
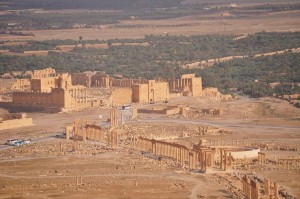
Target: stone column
{"x": 267, "y": 186}
{"x": 122, "y": 119}
{"x": 154, "y": 148}
{"x": 226, "y": 160}
{"x": 177, "y": 154}
{"x": 195, "y": 154}
{"x": 163, "y": 149}
{"x": 221, "y": 159}
{"x": 67, "y": 133}
{"x": 181, "y": 157}
{"x": 254, "y": 190}
{"x": 158, "y": 148}
{"x": 84, "y": 134}
{"x": 275, "y": 191}
{"x": 190, "y": 160}
{"x": 75, "y": 94}
{"x": 230, "y": 161}
{"x": 98, "y": 135}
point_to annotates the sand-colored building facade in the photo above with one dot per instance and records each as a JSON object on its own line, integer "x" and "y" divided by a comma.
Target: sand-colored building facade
{"x": 151, "y": 91}
{"x": 187, "y": 84}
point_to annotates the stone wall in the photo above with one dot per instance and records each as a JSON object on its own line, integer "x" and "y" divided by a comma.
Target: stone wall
{"x": 57, "y": 98}
{"x": 12, "y": 116}
{"x": 44, "y": 85}
{"x": 120, "y": 96}
{"x": 81, "y": 79}
{"x": 215, "y": 94}
{"x": 151, "y": 92}
{"x": 21, "y": 85}
{"x": 168, "y": 110}
{"x": 127, "y": 83}
{"x": 9, "y": 124}
{"x": 140, "y": 93}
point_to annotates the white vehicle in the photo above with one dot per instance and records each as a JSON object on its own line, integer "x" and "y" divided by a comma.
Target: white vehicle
{"x": 16, "y": 142}
{"x": 126, "y": 107}
{"x": 12, "y": 142}
{"x": 26, "y": 141}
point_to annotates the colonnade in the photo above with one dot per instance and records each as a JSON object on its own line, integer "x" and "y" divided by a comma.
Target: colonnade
{"x": 179, "y": 84}
{"x": 79, "y": 94}
{"x": 250, "y": 188}
{"x": 271, "y": 188}
{"x": 289, "y": 163}
{"x": 202, "y": 159}
{"x": 262, "y": 158}
{"x": 233, "y": 142}
{"x": 102, "y": 83}
{"x": 225, "y": 159}
{"x": 81, "y": 130}
{"x": 127, "y": 83}
{"x": 94, "y": 132}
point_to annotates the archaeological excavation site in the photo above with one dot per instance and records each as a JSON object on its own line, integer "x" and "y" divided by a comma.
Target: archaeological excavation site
{"x": 149, "y": 99}
{"x": 89, "y": 134}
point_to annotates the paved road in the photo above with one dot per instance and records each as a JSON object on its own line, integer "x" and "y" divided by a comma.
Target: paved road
{"x": 4, "y": 147}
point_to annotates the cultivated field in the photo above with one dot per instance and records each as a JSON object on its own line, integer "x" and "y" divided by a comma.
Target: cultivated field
{"x": 278, "y": 21}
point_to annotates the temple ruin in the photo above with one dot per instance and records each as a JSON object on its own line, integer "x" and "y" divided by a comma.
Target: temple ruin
{"x": 187, "y": 85}
{"x": 49, "y": 91}
{"x": 151, "y": 91}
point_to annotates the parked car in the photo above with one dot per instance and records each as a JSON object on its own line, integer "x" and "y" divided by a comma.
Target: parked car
{"x": 26, "y": 141}
{"x": 16, "y": 142}
{"x": 12, "y": 142}
{"x": 126, "y": 107}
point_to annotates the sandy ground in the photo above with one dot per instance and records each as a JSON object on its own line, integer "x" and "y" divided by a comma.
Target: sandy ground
{"x": 247, "y": 116}
{"x": 279, "y": 21}
{"x": 41, "y": 170}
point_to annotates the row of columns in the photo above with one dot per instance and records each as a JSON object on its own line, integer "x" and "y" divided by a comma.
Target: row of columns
{"x": 225, "y": 159}
{"x": 94, "y": 132}
{"x": 81, "y": 130}
{"x": 80, "y": 95}
{"x": 250, "y": 188}
{"x": 103, "y": 82}
{"x": 180, "y": 84}
{"x": 289, "y": 164}
{"x": 206, "y": 159}
{"x": 107, "y": 82}
{"x": 262, "y": 158}
{"x": 127, "y": 83}
{"x": 271, "y": 188}
{"x": 233, "y": 142}
{"x": 203, "y": 158}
